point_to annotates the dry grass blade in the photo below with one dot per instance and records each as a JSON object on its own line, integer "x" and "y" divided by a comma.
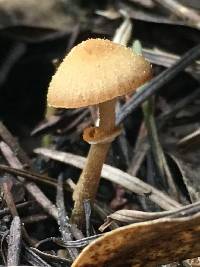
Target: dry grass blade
{"x": 50, "y": 257}
{"x": 155, "y": 17}
{"x": 158, "y": 153}
{"x": 192, "y": 17}
{"x": 32, "y": 258}
{"x": 115, "y": 175}
{"x": 145, "y": 244}
{"x": 190, "y": 139}
{"x": 165, "y": 59}
{"x": 133, "y": 216}
{"x": 123, "y": 33}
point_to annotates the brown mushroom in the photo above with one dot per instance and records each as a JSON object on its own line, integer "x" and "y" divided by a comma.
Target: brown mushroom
{"x": 96, "y": 72}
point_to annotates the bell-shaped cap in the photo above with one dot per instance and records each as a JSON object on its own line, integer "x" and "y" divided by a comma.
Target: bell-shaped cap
{"x": 95, "y": 71}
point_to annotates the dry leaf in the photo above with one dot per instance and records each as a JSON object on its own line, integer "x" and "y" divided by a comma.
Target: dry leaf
{"x": 145, "y": 244}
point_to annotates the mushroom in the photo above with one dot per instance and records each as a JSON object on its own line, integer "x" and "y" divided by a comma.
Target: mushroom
{"x": 96, "y": 72}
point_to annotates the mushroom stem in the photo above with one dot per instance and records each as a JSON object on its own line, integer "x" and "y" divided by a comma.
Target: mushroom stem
{"x": 107, "y": 115}
{"x": 88, "y": 183}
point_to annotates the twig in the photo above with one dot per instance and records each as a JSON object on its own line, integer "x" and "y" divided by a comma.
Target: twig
{"x": 115, "y": 175}
{"x": 22, "y": 159}
{"x": 14, "y": 242}
{"x": 155, "y": 84}
{"x": 9, "y": 199}
{"x": 18, "y": 206}
{"x": 11, "y": 205}
{"x": 29, "y": 175}
{"x": 63, "y": 220}
{"x": 9, "y": 139}
{"x": 32, "y": 188}
{"x": 41, "y": 199}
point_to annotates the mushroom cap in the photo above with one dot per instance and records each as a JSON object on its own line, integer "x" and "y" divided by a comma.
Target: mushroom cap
{"x": 95, "y": 71}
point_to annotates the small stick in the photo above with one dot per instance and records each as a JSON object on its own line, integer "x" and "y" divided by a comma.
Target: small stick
{"x": 32, "y": 188}
{"x": 29, "y": 175}
{"x": 14, "y": 145}
{"x": 18, "y": 206}
{"x": 14, "y": 242}
{"x": 63, "y": 220}
{"x": 22, "y": 159}
{"x": 11, "y": 205}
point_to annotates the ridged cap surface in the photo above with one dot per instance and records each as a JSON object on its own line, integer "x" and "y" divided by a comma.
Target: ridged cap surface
{"x": 95, "y": 71}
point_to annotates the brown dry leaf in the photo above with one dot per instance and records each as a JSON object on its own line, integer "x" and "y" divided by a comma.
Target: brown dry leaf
{"x": 145, "y": 244}
{"x": 48, "y": 14}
